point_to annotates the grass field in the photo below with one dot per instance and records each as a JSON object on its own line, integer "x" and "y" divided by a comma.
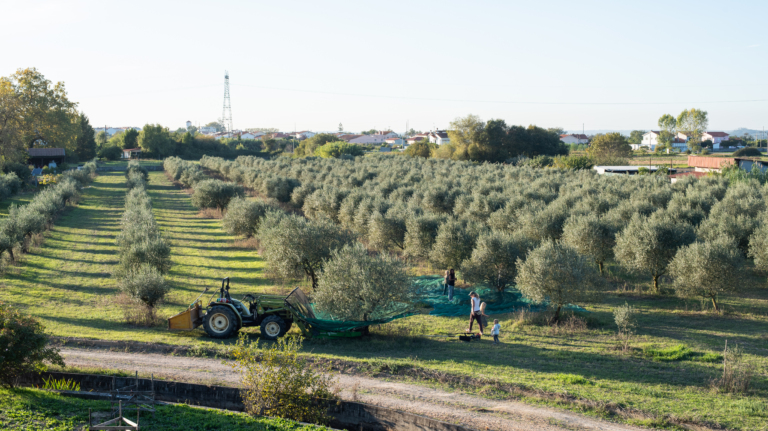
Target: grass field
{"x": 67, "y": 283}
{"x": 34, "y": 409}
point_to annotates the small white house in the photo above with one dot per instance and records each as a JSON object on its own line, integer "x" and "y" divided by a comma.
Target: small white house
{"x": 132, "y": 153}
{"x": 439, "y": 137}
{"x": 651, "y": 140}
{"x": 207, "y": 130}
{"x": 394, "y": 141}
{"x": 304, "y": 134}
{"x": 574, "y": 138}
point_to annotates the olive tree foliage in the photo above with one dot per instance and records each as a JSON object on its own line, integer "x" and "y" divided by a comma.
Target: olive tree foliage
{"x": 648, "y": 244}
{"x": 758, "y": 247}
{"x": 708, "y": 269}
{"x": 420, "y": 234}
{"x": 354, "y": 284}
{"x": 294, "y": 246}
{"x": 386, "y": 232}
{"x": 187, "y": 173}
{"x": 736, "y": 216}
{"x": 453, "y": 244}
{"x": 591, "y": 236}
{"x": 494, "y": 259}
{"x": 557, "y": 274}
{"x": 144, "y": 283}
{"x": 243, "y": 216}
{"x": 215, "y": 194}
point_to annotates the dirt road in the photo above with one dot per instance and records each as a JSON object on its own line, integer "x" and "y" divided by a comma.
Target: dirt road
{"x": 454, "y": 407}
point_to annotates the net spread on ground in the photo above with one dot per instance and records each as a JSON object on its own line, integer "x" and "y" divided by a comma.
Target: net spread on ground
{"x": 429, "y": 292}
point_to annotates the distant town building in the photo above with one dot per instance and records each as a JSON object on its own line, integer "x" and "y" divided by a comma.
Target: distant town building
{"x": 189, "y": 124}
{"x": 439, "y": 137}
{"x": 207, "y": 130}
{"x": 368, "y": 140}
{"x": 574, "y": 139}
{"x": 304, "y": 134}
{"x": 112, "y": 130}
{"x": 132, "y": 153}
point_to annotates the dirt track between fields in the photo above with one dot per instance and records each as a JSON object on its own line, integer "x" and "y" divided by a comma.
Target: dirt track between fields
{"x": 455, "y": 407}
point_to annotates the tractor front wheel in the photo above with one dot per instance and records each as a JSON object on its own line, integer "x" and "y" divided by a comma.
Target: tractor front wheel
{"x": 273, "y": 327}
{"x": 220, "y": 322}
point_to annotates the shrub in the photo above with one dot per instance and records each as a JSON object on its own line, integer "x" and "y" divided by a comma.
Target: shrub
{"x": 215, "y": 194}
{"x": 556, "y": 274}
{"x": 243, "y": 216}
{"x": 145, "y": 284}
{"x": 624, "y": 316}
{"x": 110, "y": 152}
{"x": 135, "y": 168}
{"x": 354, "y": 285}
{"x": 9, "y": 185}
{"x": 22, "y": 171}
{"x": 737, "y": 373}
{"x": 337, "y": 149}
{"x": 278, "y": 381}
{"x": 23, "y": 346}
{"x": 747, "y": 152}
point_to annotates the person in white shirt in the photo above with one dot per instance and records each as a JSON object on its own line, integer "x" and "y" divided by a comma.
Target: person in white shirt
{"x": 475, "y": 312}
{"x": 495, "y": 331}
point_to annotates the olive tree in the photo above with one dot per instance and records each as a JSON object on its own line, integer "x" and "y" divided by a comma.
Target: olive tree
{"x": 591, "y": 236}
{"x": 144, "y": 283}
{"x": 707, "y": 269}
{"x": 215, "y": 194}
{"x": 650, "y": 243}
{"x": 494, "y": 259}
{"x": 294, "y": 246}
{"x": 738, "y": 227}
{"x": 420, "y": 234}
{"x": 354, "y": 284}
{"x": 556, "y": 273}
{"x": 384, "y": 232}
{"x": 243, "y": 216}
{"x": 453, "y": 244}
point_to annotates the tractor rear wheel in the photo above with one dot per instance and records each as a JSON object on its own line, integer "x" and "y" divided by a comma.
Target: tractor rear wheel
{"x": 273, "y": 327}
{"x": 220, "y": 322}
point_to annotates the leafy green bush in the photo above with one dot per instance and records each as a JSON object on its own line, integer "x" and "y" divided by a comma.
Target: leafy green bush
{"x": 111, "y": 152}
{"x": 243, "y": 216}
{"x": 22, "y": 171}
{"x": 337, "y": 149}
{"x": 23, "y": 346}
{"x": 678, "y": 352}
{"x": 747, "y": 152}
{"x": 135, "y": 168}
{"x": 215, "y": 194}
{"x": 495, "y": 258}
{"x": 145, "y": 284}
{"x": 9, "y": 185}
{"x": 278, "y": 381}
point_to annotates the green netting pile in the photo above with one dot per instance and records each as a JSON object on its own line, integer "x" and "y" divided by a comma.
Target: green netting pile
{"x": 429, "y": 290}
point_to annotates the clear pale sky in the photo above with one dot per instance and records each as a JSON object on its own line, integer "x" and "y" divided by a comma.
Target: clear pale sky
{"x": 314, "y": 64}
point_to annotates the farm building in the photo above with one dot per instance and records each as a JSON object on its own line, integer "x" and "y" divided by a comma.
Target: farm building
{"x": 41, "y": 157}
{"x": 709, "y": 164}
{"x": 132, "y": 153}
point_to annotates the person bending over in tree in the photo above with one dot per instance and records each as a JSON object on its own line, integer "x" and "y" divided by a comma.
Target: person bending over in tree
{"x": 475, "y": 313}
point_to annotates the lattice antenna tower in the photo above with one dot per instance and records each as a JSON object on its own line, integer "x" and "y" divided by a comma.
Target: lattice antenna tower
{"x": 226, "y": 116}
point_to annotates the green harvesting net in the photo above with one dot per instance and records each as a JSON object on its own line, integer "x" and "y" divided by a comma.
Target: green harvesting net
{"x": 320, "y": 321}
{"x": 429, "y": 293}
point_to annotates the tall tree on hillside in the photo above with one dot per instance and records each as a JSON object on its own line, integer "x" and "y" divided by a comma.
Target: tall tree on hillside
{"x": 35, "y": 111}
{"x": 156, "y": 139}
{"x": 608, "y": 147}
{"x": 693, "y": 123}
{"x": 85, "y": 147}
{"x": 668, "y": 126}
{"x": 101, "y": 138}
{"x": 130, "y": 139}
{"x": 636, "y": 137}
{"x": 556, "y": 130}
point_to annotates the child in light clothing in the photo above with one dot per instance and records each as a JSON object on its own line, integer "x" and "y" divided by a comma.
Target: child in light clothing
{"x": 495, "y": 331}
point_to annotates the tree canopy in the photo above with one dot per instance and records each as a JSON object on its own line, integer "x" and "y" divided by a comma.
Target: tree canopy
{"x": 34, "y": 111}
{"x": 605, "y": 148}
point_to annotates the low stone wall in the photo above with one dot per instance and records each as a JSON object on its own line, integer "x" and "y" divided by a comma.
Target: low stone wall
{"x": 347, "y": 415}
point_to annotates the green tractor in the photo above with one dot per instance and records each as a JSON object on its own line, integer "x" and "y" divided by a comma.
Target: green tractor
{"x": 224, "y": 316}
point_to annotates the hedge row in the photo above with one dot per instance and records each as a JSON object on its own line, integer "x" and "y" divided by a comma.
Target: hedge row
{"x": 25, "y": 221}
{"x": 208, "y": 193}
{"x": 145, "y": 255}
